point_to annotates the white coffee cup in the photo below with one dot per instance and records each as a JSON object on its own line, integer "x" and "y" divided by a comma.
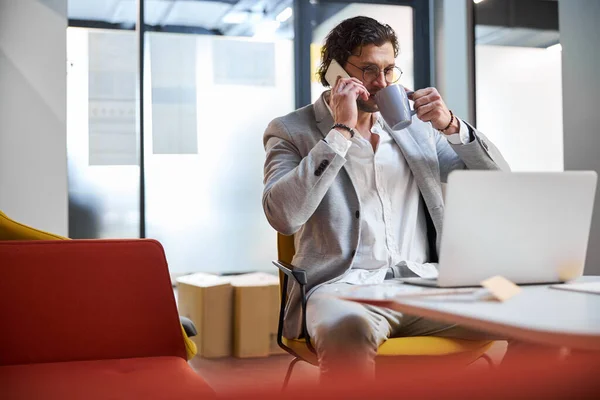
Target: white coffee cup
{"x": 394, "y": 107}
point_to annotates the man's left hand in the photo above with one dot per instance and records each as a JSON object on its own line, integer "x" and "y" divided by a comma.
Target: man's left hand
{"x": 431, "y": 108}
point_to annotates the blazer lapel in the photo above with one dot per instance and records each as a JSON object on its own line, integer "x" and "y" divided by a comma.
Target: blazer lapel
{"x": 323, "y": 117}
{"x": 324, "y": 121}
{"x": 422, "y": 161}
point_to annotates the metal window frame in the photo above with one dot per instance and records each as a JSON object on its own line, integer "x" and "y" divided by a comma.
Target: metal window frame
{"x": 140, "y": 30}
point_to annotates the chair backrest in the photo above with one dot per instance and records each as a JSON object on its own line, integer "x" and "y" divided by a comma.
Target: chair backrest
{"x": 73, "y": 300}
{"x": 13, "y": 230}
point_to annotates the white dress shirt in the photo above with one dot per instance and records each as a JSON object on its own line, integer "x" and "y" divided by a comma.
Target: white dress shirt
{"x": 393, "y": 226}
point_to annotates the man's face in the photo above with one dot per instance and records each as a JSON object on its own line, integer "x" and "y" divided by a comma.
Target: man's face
{"x": 371, "y": 55}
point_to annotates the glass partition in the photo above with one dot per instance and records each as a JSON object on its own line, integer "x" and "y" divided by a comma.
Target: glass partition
{"x": 210, "y": 101}
{"x": 102, "y": 134}
{"x": 210, "y": 94}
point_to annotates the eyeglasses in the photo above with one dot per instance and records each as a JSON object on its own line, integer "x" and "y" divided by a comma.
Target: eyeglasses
{"x": 372, "y": 72}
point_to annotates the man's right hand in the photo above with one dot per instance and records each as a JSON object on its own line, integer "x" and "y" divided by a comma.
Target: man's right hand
{"x": 343, "y": 102}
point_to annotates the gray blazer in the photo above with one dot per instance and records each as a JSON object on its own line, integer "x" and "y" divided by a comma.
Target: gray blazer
{"x": 309, "y": 194}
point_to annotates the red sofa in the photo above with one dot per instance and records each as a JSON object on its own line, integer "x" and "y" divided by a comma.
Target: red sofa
{"x": 91, "y": 319}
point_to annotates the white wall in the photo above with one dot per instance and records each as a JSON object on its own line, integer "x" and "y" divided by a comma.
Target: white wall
{"x": 519, "y": 105}
{"x": 579, "y": 33}
{"x": 33, "y": 160}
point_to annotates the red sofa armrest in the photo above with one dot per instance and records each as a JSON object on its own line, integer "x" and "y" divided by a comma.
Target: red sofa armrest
{"x": 86, "y": 300}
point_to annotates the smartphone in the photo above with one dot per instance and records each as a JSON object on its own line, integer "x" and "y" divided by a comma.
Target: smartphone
{"x": 335, "y": 70}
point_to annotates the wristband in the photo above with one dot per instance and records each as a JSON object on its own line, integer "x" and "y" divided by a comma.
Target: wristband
{"x": 344, "y": 127}
{"x": 449, "y": 123}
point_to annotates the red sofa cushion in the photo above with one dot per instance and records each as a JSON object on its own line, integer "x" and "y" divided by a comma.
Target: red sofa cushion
{"x": 77, "y": 300}
{"x": 133, "y": 378}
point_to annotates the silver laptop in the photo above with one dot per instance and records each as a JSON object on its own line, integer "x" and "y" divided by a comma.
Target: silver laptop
{"x": 527, "y": 227}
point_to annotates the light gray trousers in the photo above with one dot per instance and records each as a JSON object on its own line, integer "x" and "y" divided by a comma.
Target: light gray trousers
{"x": 347, "y": 334}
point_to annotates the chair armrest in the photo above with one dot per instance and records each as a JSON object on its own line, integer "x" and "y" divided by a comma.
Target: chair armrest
{"x": 188, "y": 326}
{"x": 299, "y": 275}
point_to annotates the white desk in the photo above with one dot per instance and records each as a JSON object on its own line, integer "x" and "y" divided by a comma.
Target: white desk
{"x": 538, "y": 314}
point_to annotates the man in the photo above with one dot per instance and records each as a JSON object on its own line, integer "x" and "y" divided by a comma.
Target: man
{"x": 363, "y": 202}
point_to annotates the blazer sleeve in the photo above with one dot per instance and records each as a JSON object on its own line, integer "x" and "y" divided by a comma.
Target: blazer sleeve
{"x": 294, "y": 185}
{"x": 480, "y": 153}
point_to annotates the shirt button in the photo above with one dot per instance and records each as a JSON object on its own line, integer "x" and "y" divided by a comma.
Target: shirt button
{"x": 353, "y": 253}
{"x": 357, "y": 214}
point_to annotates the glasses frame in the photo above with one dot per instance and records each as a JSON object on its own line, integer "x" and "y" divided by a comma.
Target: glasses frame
{"x": 379, "y": 70}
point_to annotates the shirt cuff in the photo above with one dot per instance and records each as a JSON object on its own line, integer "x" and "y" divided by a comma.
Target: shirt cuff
{"x": 338, "y": 142}
{"x": 462, "y": 137}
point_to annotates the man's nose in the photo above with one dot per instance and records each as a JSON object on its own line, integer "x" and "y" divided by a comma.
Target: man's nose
{"x": 380, "y": 82}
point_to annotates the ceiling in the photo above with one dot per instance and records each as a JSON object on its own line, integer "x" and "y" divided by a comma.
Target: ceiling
{"x": 227, "y": 17}
{"x": 520, "y": 37}
{"x": 256, "y": 17}
{"x": 522, "y": 23}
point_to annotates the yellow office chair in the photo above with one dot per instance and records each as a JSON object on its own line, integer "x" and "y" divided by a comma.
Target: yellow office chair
{"x": 462, "y": 352}
{"x": 13, "y": 230}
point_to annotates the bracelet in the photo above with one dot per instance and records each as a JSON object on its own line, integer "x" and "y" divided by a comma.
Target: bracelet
{"x": 451, "y": 121}
{"x": 344, "y": 127}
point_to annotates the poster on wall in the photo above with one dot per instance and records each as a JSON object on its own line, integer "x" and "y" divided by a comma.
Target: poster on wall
{"x": 112, "y": 100}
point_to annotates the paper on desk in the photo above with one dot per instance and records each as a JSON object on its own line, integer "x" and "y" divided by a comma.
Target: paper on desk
{"x": 586, "y": 287}
{"x": 500, "y": 288}
{"x": 383, "y": 291}
{"x": 395, "y": 290}
{"x": 495, "y": 288}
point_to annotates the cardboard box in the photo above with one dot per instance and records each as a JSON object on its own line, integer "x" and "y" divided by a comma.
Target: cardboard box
{"x": 256, "y": 314}
{"x": 207, "y": 300}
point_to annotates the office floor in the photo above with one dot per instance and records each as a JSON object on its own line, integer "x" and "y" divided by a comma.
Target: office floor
{"x": 231, "y": 375}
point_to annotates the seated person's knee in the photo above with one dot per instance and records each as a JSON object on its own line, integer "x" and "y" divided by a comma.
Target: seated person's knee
{"x": 349, "y": 330}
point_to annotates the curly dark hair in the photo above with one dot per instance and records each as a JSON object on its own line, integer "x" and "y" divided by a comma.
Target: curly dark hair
{"x": 349, "y": 36}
